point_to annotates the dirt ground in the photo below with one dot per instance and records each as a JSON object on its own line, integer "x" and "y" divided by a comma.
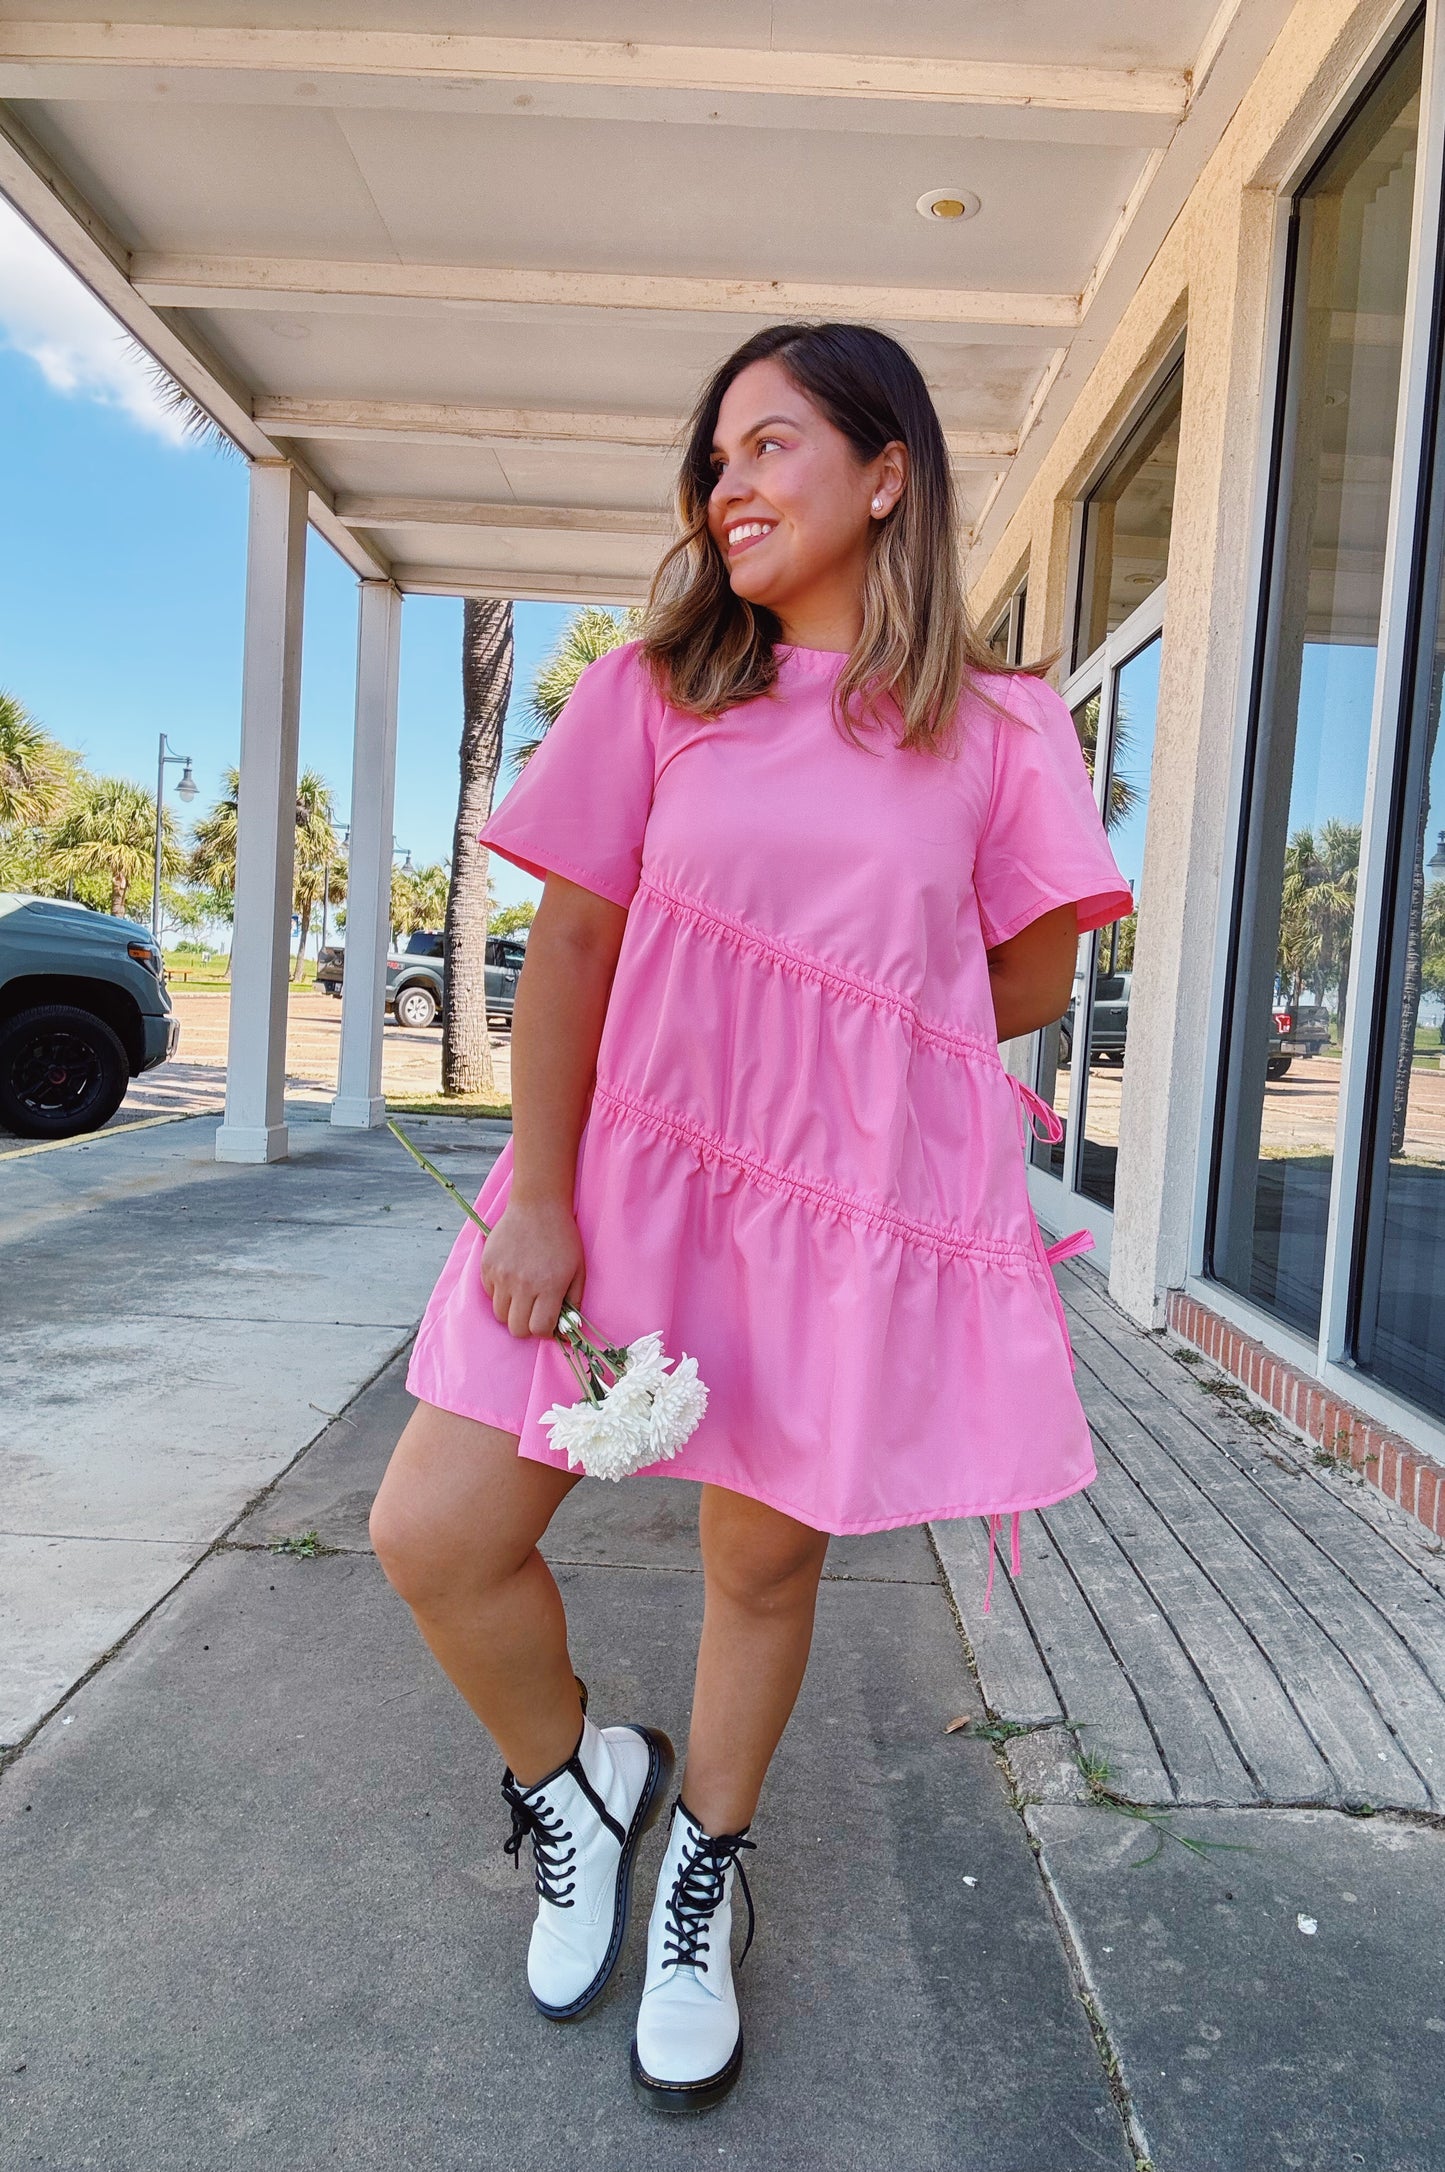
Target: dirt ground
{"x": 195, "y": 1079}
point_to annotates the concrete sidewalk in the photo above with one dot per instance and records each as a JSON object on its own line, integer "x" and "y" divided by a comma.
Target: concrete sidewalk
{"x": 175, "y": 1330}
{"x": 1143, "y": 1909}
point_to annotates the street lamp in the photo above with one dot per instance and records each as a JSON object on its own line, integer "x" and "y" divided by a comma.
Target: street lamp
{"x": 186, "y": 790}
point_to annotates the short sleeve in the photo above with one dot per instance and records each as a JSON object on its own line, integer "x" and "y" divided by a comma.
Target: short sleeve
{"x": 579, "y": 809}
{"x": 1042, "y": 843}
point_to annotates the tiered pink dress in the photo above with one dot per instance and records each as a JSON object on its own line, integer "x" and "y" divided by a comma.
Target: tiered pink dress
{"x": 802, "y": 1158}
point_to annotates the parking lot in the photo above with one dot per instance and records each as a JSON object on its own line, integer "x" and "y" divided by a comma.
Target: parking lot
{"x": 194, "y": 1082}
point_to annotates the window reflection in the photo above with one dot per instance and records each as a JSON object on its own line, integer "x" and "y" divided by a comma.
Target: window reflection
{"x": 1056, "y": 1042}
{"x": 1126, "y": 811}
{"x": 1127, "y": 519}
{"x": 1399, "y": 1334}
{"x": 1291, "y": 1001}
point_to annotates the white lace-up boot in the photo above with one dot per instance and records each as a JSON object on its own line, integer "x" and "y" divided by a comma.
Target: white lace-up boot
{"x": 688, "y": 2049}
{"x": 584, "y": 1822}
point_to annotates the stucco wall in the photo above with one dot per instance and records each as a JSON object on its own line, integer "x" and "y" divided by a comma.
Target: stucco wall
{"x": 1216, "y": 272}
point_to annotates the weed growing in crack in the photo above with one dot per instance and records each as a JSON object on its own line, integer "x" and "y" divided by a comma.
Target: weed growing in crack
{"x": 1097, "y": 1774}
{"x": 302, "y": 1546}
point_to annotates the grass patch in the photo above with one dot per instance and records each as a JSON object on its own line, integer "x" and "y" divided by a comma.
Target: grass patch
{"x": 448, "y": 1105}
{"x": 302, "y": 1546}
{"x": 1100, "y": 1791}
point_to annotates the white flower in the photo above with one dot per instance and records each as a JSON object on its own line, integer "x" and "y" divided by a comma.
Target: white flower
{"x": 644, "y": 1417}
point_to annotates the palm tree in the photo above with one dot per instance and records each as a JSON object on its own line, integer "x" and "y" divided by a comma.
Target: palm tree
{"x": 419, "y": 898}
{"x": 213, "y": 840}
{"x": 212, "y": 863}
{"x": 317, "y": 848}
{"x": 589, "y": 634}
{"x": 487, "y": 661}
{"x": 109, "y": 830}
{"x": 35, "y": 770}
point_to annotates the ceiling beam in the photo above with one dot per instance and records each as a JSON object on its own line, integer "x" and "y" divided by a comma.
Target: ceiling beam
{"x": 920, "y": 80}
{"x": 49, "y": 202}
{"x": 362, "y": 510}
{"x": 516, "y": 586}
{"x": 255, "y": 282}
{"x": 423, "y": 422}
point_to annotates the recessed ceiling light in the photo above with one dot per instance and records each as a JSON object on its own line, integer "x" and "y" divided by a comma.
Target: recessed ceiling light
{"x": 947, "y": 204}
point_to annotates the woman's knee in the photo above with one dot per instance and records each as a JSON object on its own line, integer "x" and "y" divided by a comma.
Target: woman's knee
{"x": 442, "y": 1525}
{"x": 759, "y": 1558}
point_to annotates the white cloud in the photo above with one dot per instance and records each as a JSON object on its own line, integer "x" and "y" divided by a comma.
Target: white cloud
{"x": 47, "y": 314}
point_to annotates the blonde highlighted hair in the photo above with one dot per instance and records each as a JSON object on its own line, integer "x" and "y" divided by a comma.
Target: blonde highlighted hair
{"x": 709, "y": 649}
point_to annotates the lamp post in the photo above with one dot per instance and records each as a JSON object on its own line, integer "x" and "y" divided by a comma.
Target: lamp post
{"x": 186, "y": 790}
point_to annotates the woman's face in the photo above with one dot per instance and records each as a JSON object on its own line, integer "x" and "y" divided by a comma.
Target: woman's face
{"x": 792, "y": 505}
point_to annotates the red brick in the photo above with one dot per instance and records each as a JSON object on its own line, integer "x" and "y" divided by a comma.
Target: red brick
{"x": 1409, "y": 1477}
{"x": 1428, "y": 1495}
{"x": 1387, "y": 1471}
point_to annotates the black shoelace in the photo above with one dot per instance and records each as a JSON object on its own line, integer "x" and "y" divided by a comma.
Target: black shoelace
{"x": 534, "y": 1818}
{"x": 544, "y": 1827}
{"x": 696, "y": 1895}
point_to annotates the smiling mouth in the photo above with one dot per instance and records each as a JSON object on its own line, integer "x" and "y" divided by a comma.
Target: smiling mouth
{"x": 748, "y": 532}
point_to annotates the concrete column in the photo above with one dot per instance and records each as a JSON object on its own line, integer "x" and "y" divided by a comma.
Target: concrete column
{"x": 359, "y": 1104}
{"x": 1203, "y": 688}
{"x": 254, "y": 1128}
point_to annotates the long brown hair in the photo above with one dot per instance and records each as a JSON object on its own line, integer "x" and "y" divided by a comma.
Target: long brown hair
{"x": 709, "y": 649}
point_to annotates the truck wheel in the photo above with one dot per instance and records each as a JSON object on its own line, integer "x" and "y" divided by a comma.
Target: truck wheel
{"x": 415, "y": 1007}
{"x": 62, "y": 1071}
{"x": 1277, "y": 1066}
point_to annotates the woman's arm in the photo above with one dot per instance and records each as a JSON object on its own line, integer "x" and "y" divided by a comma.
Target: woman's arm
{"x": 532, "y": 1262}
{"x": 1032, "y": 974}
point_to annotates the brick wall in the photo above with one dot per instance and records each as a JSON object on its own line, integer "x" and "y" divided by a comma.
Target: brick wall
{"x": 1402, "y": 1472}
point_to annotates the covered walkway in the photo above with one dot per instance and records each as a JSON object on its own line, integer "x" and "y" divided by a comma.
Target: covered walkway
{"x": 452, "y": 288}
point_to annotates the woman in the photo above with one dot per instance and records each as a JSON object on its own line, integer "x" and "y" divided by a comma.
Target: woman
{"x": 808, "y": 856}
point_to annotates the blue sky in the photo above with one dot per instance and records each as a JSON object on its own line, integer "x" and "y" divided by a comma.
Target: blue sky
{"x": 122, "y": 568}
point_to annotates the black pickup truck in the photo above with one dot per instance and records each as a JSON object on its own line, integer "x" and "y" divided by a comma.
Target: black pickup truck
{"x": 1303, "y": 1031}
{"x": 416, "y": 976}
{"x": 83, "y": 1008}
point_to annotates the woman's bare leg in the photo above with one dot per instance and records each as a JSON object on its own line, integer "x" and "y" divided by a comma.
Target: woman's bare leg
{"x": 761, "y": 1570}
{"x": 455, "y": 1526}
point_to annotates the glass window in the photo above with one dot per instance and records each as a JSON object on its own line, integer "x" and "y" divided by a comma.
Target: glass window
{"x": 1055, "y": 1073}
{"x": 1291, "y": 997}
{"x": 1127, "y": 518}
{"x": 1399, "y": 1302}
{"x": 1126, "y": 814}
{"x": 1006, "y": 637}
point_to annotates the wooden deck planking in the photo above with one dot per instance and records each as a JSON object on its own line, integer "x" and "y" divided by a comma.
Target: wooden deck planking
{"x": 1202, "y": 1761}
{"x": 1398, "y": 1730}
{"x": 1329, "y": 1731}
{"x": 1015, "y": 1681}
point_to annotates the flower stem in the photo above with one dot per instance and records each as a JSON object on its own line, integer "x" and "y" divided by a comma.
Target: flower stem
{"x": 445, "y": 1182}
{"x": 572, "y": 1327}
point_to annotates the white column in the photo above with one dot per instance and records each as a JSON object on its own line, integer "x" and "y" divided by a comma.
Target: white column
{"x": 359, "y": 1103}
{"x": 254, "y": 1128}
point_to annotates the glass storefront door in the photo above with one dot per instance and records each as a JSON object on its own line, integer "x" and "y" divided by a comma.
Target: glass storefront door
{"x": 1082, "y": 1059}
{"x": 1293, "y": 973}
{"x": 1126, "y": 814}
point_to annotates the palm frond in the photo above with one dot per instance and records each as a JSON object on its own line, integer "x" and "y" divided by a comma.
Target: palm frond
{"x": 593, "y": 632}
{"x": 196, "y": 424}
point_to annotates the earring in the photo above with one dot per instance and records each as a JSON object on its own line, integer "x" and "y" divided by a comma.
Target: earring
{"x": 878, "y": 505}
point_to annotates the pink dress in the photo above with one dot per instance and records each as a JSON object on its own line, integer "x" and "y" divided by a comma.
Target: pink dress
{"x": 802, "y": 1157}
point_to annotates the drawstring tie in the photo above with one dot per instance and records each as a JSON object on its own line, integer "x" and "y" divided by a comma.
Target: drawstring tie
{"x": 1032, "y": 1109}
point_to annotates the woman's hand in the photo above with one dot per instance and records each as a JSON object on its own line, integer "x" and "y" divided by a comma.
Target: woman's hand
{"x": 532, "y": 1264}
